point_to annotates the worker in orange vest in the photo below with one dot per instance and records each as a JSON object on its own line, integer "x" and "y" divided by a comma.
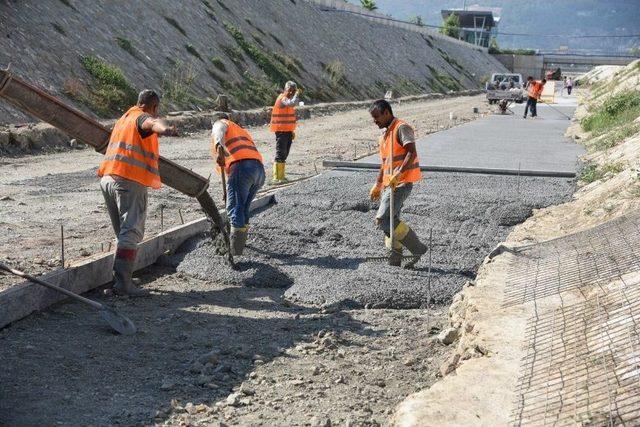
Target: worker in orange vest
{"x": 399, "y": 173}
{"x": 283, "y": 123}
{"x": 129, "y": 167}
{"x": 534, "y": 88}
{"x": 237, "y": 156}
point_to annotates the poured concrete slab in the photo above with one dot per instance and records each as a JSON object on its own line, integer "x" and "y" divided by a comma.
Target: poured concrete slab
{"x": 505, "y": 142}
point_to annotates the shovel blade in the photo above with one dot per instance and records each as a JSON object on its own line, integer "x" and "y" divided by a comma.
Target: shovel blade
{"x": 117, "y": 321}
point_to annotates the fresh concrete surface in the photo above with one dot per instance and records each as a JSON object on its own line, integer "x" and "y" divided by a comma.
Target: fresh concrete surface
{"x": 505, "y": 142}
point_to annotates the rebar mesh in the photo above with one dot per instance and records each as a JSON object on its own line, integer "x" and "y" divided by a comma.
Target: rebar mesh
{"x": 583, "y": 364}
{"x": 591, "y": 256}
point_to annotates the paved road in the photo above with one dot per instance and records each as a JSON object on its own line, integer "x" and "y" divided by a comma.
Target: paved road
{"x": 506, "y": 141}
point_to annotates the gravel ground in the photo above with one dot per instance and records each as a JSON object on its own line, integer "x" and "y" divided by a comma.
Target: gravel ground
{"x": 41, "y": 192}
{"x": 199, "y": 343}
{"x": 314, "y": 241}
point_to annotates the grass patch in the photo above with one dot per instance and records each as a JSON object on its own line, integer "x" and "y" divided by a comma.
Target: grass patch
{"x": 127, "y": 46}
{"x": 289, "y": 62}
{"x": 615, "y": 111}
{"x": 110, "y": 92}
{"x": 219, "y": 64}
{"x": 444, "y": 81}
{"x": 59, "y": 28}
{"x": 192, "y": 50}
{"x": 613, "y": 138}
{"x": 235, "y": 55}
{"x": 335, "y": 72}
{"x": 275, "y": 71}
{"x": 251, "y": 92}
{"x": 175, "y": 25}
{"x": 592, "y": 172}
{"x": 177, "y": 86}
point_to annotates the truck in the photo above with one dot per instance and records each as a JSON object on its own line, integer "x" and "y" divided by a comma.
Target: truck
{"x": 507, "y": 87}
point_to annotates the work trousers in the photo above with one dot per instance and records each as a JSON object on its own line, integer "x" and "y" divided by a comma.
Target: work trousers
{"x": 245, "y": 178}
{"x": 283, "y": 145}
{"x": 531, "y": 104}
{"x": 400, "y": 194}
{"x": 127, "y": 206}
{"x": 569, "y": 88}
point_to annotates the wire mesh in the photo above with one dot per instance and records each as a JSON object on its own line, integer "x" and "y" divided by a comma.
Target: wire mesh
{"x": 582, "y": 365}
{"x": 571, "y": 262}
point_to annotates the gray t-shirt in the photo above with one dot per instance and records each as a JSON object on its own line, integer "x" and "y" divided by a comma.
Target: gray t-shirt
{"x": 139, "y": 121}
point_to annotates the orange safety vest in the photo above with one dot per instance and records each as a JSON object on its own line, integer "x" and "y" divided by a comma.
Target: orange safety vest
{"x": 238, "y": 145}
{"x": 129, "y": 155}
{"x": 535, "y": 89}
{"x": 283, "y": 119}
{"x": 412, "y": 171}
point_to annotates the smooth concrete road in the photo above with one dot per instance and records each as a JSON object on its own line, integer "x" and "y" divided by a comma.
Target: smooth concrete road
{"x": 506, "y": 142}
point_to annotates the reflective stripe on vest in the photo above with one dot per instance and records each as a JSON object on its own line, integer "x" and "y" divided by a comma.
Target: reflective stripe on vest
{"x": 130, "y": 156}
{"x": 238, "y": 145}
{"x": 411, "y": 172}
{"x": 283, "y": 119}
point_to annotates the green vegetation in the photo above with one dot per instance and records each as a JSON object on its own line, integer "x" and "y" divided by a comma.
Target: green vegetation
{"x": 219, "y": 64}
{"x": 592, "y": 172}
{"x": 235, "y": 55}
{"x": 251, "y": 91}
{"x": 126, "y": 45}
{"x": 177, "y": 86}
{"x": 335, "y": 71}
{"x": 416, "y": 20}
{"x": 444, "y": 81}
{"x": 59, "y": 28}
{"x": 109, "y": 93}
{"x": 451, "y": 26}
{"x": 192, "y": 50}
{"x": 175, "y": 25}
{"x": 275, "y": 71}
{"x": 618, "y": 110}
{"x": 368, "y": 4}
{"x": 289, "y": 62}
{"x": 613, "y": 138}
{"x": 208, "y": 5}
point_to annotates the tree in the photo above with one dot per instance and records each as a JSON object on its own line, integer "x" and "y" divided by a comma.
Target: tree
{"x": 493, "y": 46}
{"x": 417, "y": 20}
{"x": 451, "y": 26}
{"x": 368, "y": 4}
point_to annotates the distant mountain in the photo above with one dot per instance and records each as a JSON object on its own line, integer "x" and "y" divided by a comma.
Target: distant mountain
{"x": 542, "y": 18}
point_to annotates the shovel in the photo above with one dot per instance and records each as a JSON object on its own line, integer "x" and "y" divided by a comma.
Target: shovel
{"x": 117, "y": 321}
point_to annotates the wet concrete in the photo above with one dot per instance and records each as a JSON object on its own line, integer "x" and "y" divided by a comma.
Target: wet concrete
{"x": 315, "y": 240}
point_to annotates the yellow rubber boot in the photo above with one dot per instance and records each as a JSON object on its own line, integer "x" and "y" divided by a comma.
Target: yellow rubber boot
{"x": 400, "y": 232}
{"x": 275, "y": 171}
{"x": 281, "y": 175}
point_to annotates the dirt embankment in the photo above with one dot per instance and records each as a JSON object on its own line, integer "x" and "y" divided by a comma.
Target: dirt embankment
{"x": 483, "y": 370}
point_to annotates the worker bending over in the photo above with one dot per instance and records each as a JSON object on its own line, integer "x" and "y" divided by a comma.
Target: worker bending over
{"x": 534, "y": 88}
{"x": 237, "y": 156}
{"x": 397, "y": 173}
{"x": 129, "y": 167}
{"x": 283, "y": 123}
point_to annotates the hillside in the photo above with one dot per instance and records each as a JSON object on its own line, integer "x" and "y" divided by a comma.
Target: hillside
{"x": 98, "y": 56}
{"x": 573, "y": 18}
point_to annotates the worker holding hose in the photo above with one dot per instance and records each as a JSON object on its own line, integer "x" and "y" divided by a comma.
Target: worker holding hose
{"x": 237, "y": 157}
{"x": 534, "y": 88}
{"x": 395, "y": 181}
{"x": 129, "y": 168}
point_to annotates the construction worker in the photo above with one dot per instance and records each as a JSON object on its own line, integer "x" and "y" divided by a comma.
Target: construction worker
{"x": 534, "y": 89}
{"x": 397, "y": 174}
{"x": 237, "y": 156}
{"x": 283, "y": 123}
{"x": 129, "y": 167}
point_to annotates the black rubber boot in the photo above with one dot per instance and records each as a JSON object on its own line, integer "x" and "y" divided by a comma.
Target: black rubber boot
{"x": 122, "y": 274}
{"x": 238, "y": 240}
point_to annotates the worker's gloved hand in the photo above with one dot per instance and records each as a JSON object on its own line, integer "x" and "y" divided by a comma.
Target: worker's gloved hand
{"x": 393, "y": 179}
{"x": 375, "y": 192}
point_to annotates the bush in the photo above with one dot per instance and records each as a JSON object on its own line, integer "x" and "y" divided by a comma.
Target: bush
{"x": 335, "y": 70}
{"x": 110, "y": 92}
{"x": 126, "y": 45}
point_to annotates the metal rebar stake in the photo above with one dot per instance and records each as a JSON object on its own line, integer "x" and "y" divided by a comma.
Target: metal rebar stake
{"x": 62, "y": 244}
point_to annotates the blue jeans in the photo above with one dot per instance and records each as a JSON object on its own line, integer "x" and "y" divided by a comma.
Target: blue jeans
{"x": 245, "y": 178}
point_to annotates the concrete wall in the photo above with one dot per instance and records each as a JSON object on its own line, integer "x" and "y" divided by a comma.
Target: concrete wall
{"x": 527, "y": 65}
